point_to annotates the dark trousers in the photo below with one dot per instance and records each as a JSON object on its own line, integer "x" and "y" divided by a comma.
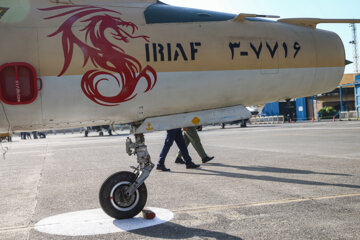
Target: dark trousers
{"x": 174, "y": 135}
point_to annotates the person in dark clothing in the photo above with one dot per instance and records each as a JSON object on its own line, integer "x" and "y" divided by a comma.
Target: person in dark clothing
{"x": 28, "y": 135}
{"x": 175, "y": 135}
{"x": 191, "y": 136}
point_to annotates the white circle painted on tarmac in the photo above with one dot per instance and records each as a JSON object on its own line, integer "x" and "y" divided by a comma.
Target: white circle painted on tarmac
{"x": 96, "y": 222}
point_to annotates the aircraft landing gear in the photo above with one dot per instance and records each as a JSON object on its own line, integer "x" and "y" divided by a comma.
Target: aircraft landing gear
{"x": 123, "y": 195}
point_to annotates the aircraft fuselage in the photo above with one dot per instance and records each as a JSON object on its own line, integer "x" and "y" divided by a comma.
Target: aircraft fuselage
{"x": 106, "y": 64}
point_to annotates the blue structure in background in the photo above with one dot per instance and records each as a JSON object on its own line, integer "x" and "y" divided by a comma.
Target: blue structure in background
{"x": 288, "y": 109}
{"x": 357, "y": 94}
{"x": 271, "y": 109}
{"x": 301, "y": 109}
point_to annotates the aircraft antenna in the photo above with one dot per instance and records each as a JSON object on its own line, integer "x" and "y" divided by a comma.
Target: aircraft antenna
{"x": 354, "y": 42}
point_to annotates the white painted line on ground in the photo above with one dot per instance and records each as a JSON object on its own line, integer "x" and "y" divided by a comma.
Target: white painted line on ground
{"x": 96, "y": 222}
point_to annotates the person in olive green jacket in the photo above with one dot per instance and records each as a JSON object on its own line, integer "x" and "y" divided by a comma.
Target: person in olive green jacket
{"x": 191, "y": 136}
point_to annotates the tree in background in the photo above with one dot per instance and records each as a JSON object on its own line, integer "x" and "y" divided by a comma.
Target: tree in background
{"x": 327, "y": 112}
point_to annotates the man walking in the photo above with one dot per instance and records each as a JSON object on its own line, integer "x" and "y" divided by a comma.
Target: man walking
{"x": 191, "y": 136}
{"x": 175, "y": 135}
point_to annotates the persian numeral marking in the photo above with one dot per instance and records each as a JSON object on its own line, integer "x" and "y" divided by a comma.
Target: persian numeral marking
{"x": 257, "y": 49}
{"x": 232, "y": 47}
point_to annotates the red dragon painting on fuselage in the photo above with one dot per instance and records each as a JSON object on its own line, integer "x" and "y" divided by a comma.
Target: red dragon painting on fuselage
{"x": 109, "y": 59}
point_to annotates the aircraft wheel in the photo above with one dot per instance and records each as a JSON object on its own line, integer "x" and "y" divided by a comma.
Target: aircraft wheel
{"x": 115, "y": 202}
{"x": 243, "y": 123}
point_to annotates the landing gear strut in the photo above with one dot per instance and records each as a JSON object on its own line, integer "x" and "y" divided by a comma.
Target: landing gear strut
{"x": 123, "y": 195}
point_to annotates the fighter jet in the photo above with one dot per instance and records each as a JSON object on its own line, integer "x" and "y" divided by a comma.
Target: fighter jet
{"x": 78, "y": 63}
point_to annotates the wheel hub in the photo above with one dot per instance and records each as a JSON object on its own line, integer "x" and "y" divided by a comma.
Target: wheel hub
{"x": 122, "y": 199}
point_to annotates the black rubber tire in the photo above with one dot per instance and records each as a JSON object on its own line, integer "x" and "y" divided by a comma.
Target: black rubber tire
{"x": 243, "y": 123}
{"x": 223, "y": 125}
{"x": 108, "y": 200}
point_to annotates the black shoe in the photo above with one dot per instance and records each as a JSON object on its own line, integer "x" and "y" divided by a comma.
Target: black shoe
{"x": 179, "y": 161}
{"x": 207, "y": 159}
{"x": 162, "y": 168}
{"x": 192, "y": 165}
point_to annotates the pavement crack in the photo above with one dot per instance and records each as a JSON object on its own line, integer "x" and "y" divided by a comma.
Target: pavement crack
{"x": 31, "y": 222}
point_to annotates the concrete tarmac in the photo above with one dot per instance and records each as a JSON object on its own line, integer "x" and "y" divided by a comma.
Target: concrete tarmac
{"x": 291, "y": 181}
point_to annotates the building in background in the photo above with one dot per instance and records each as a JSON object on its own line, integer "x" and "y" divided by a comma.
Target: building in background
{"x": 345, "y": 98}
{"x": 357, "y": 95}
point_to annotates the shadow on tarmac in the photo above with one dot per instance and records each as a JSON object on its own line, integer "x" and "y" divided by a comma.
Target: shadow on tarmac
{"x": 277, "y": 170}
{"x": 175, "y": 231}
{"x": 202, "y": 171}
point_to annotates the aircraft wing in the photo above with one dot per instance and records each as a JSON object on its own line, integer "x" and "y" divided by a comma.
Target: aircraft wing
{"x": 242, "y": 16}
{"x": 306, "y": 22}
{"x": 313, "y": 22}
